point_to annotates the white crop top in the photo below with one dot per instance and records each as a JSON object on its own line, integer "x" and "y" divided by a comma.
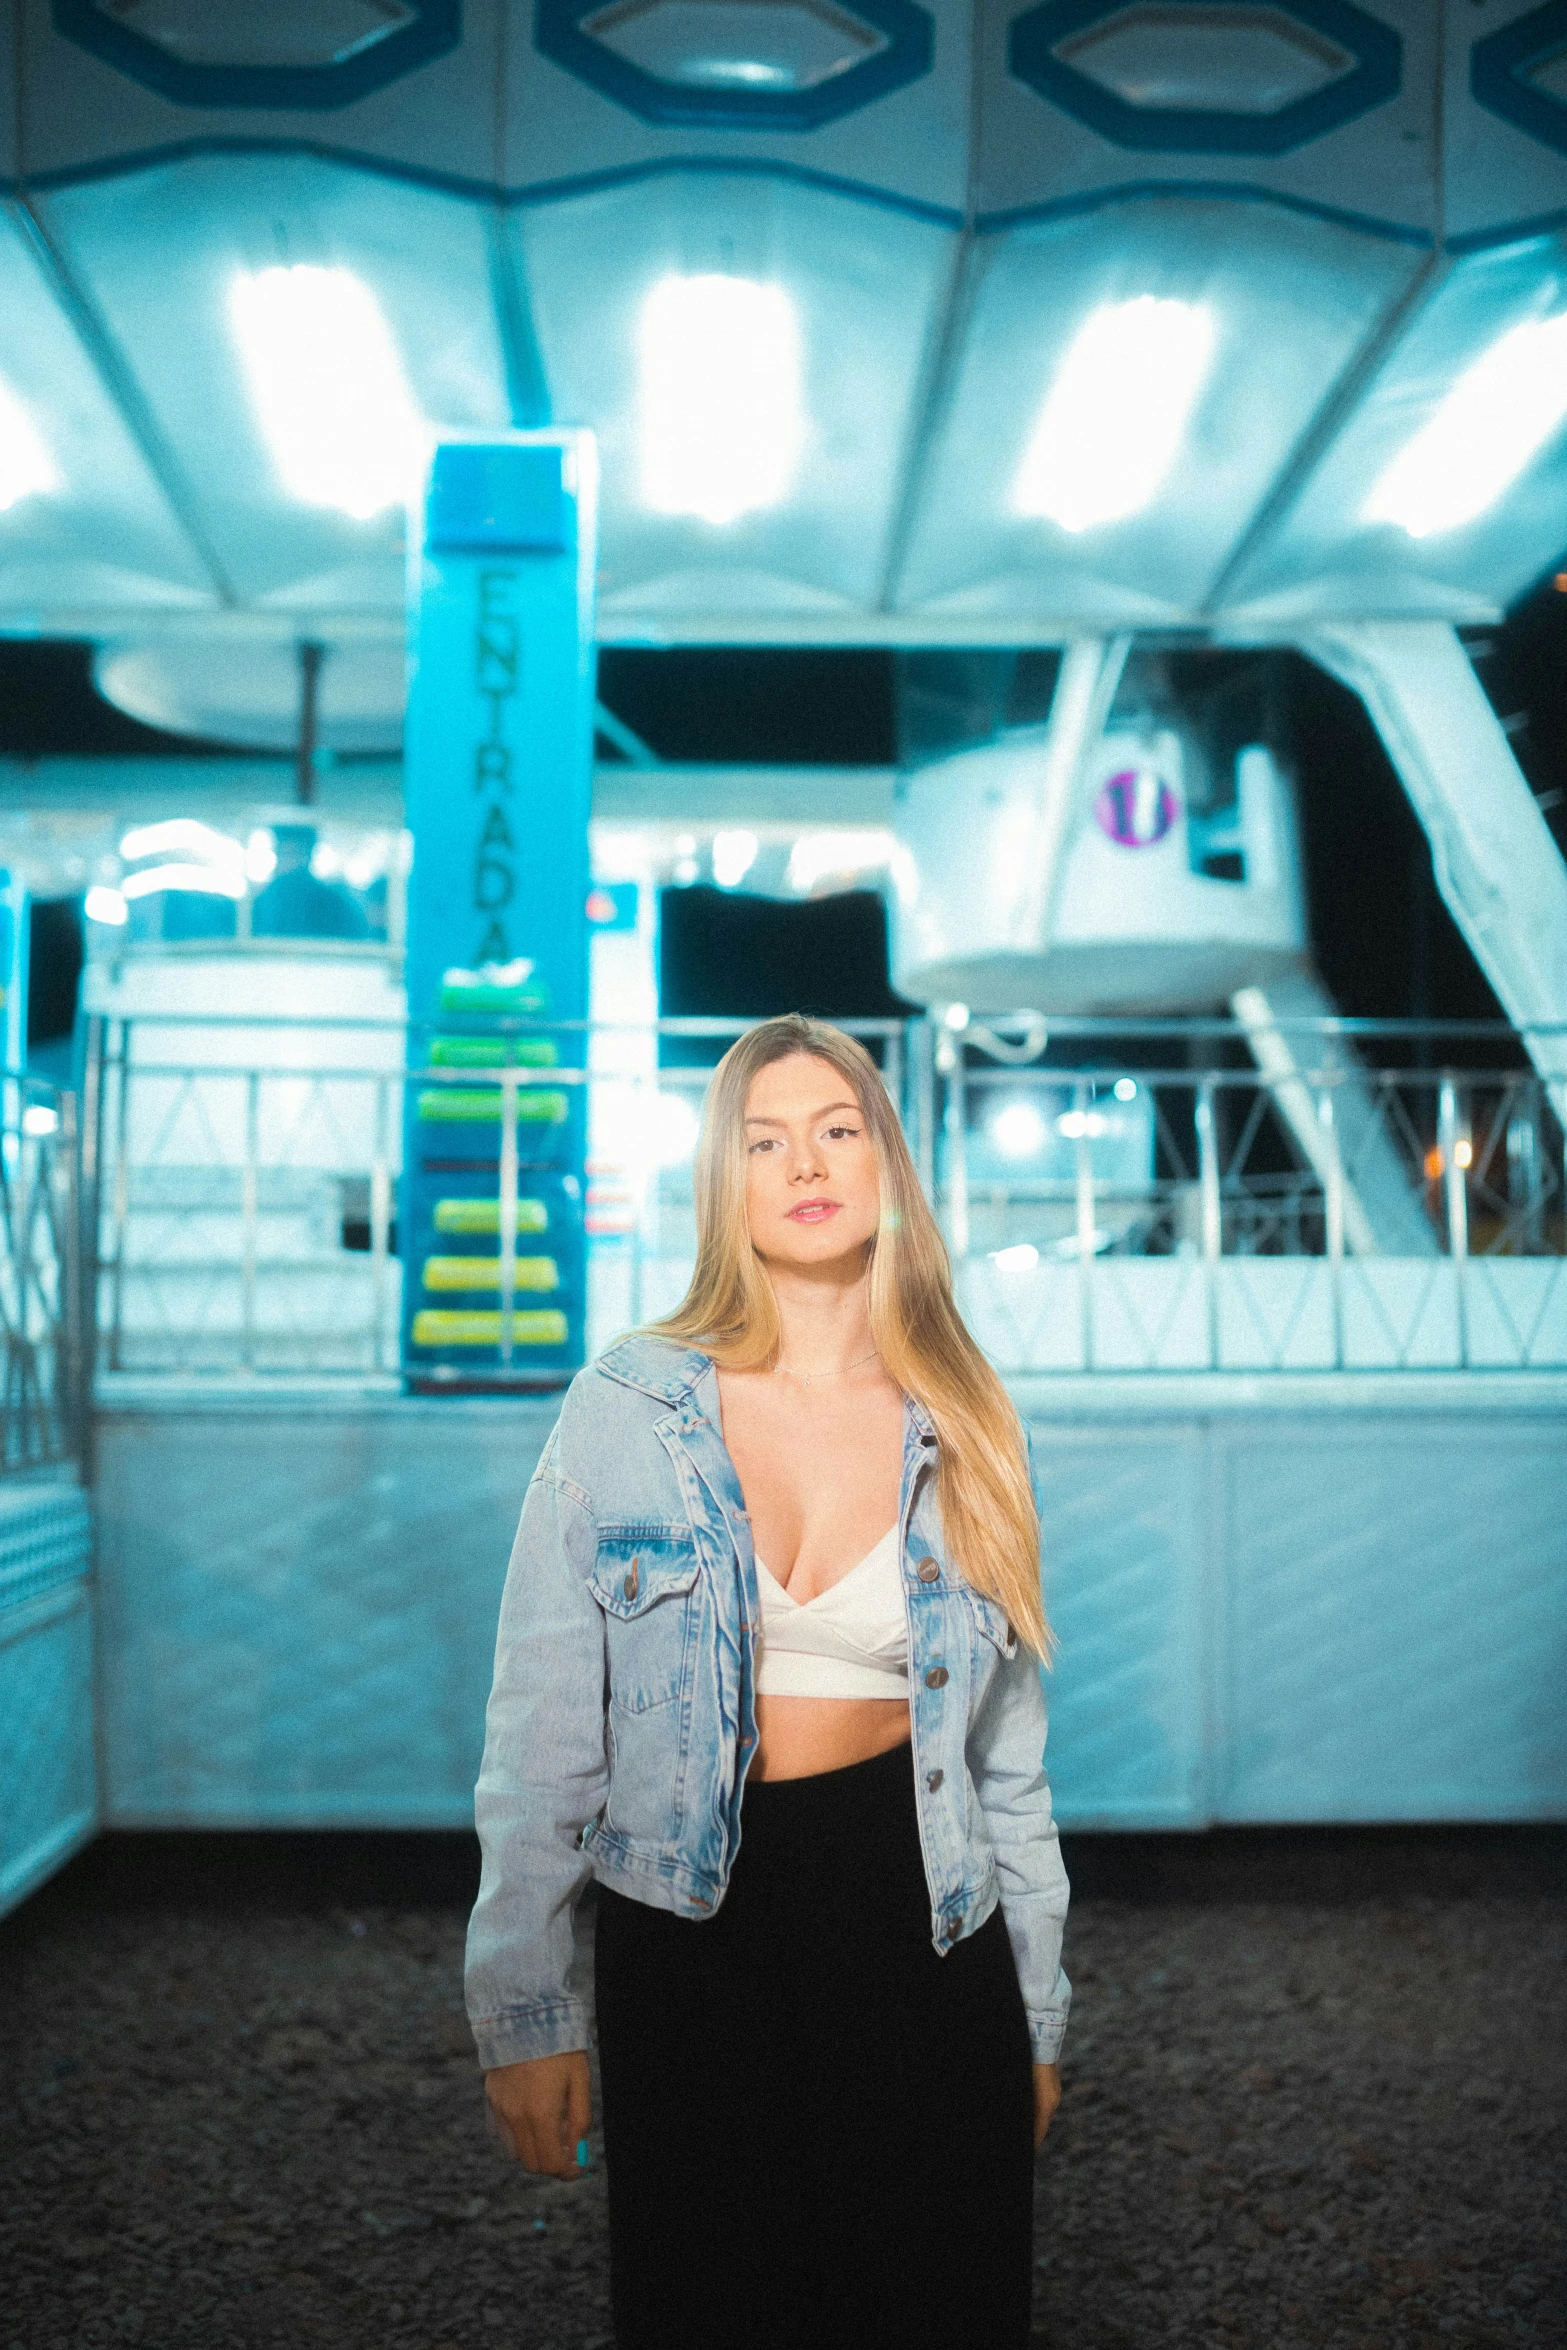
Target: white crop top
{"x": 851, "y": 1640}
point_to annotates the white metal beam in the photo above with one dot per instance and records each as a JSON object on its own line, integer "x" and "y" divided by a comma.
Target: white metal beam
{"x": 1090, "y": 671}
{"x": 1500, "y": 872}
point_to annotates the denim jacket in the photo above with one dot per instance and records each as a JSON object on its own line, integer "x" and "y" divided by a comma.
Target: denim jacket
{"x": 622, "y": 1716}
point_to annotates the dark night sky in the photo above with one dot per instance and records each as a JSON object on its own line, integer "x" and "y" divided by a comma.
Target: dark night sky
{"x": 1385, "y": 943}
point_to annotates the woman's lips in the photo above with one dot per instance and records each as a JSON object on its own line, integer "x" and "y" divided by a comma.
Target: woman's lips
{"x": 813, "y": 1211}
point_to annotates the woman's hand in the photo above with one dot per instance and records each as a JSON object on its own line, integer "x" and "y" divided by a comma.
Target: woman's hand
{"x": 542, "y": 2111}
{"x": 1047, "y": 2096}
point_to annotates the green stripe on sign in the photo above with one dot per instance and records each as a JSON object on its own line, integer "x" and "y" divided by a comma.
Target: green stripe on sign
{"x": 493, "y": 1052}
{"x": 537, "y": 1105}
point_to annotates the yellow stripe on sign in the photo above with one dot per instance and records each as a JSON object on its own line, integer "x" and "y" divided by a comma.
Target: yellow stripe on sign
{"x": 538, "y": 1105}
{"x": 443, "y": 1326}
{"x": 484, "y": 1215}
{"x": 485, "y": 1273}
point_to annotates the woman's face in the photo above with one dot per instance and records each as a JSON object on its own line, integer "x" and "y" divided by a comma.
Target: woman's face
{"x": 811, "y": 1190}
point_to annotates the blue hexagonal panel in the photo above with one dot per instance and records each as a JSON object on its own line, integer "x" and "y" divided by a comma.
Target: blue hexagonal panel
{"x": 1520, "y": 73}
{"x": 738, "y": 64}
{"x": 308, "y": 55}
{"x": 1145, "y": 74}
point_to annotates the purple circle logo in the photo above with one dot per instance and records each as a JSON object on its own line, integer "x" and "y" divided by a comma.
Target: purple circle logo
{"x": 1135, "y": 807}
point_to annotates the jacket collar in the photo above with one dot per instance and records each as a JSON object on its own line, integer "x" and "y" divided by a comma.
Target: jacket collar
{"x": 919, "y": 1420}
{"x": 661, "y": 1368}
{"x": 655, "y": 1366}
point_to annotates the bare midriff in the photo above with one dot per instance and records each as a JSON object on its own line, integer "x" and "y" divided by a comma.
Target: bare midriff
{"x": 798, "y": 1736}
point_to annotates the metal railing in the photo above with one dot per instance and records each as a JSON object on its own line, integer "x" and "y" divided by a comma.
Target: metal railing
{"x": 1116, "y": 1195}
{"x": 1330, "y": 1213}
{"x": 44, "y": 1325}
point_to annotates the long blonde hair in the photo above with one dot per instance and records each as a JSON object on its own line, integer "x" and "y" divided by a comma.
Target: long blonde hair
{"x": 983, "y": 1491}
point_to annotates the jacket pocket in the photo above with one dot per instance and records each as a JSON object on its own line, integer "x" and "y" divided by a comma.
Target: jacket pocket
{"x": 645, "y": 1585}
{"x": 992, "y": 1622}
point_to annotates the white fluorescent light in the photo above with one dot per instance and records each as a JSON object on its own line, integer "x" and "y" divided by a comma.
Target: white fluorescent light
{"x": 369, "y": 861}
{"x": 329, "y": 387}
{"x": 734, "y": 853}
{"x": 40, "y": 1118}
{"x": 675, "y": 1127}
{"x": 1018, "y": 1131}
{"x": 202, "y": 880}
{"x": 1497, "y": 417}
{"x": 181, "y": 833}
{"x": 721, "y": 400}
{"x": 1115, "y": 417}
{"x": 26, "y": 468}
{"x": 260, "y": 855}
{"x": 1021, "y": 1257}
{"x": 823, "y": 856}
{"x": 103, "y": 904}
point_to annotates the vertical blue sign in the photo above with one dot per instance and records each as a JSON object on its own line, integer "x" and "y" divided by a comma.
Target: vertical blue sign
{"x": 498, "y": 760}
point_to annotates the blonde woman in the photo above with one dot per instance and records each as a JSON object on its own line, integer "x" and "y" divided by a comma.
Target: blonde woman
{"x": 768, "y": 1672}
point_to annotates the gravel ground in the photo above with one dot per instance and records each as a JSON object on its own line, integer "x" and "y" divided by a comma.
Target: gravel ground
{"x": 1316, "y": 2093}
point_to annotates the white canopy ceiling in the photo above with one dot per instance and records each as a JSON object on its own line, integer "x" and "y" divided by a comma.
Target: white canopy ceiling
{"x": 991, "y": 324}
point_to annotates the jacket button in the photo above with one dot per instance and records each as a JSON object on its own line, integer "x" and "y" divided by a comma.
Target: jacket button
{"x": 929, "y": 1571}
{"x": 954, "y": 1928}
{"x": 936, "y": 1678}
{"x": 629, "y": 1587}
{"x": 935, "y": 1779}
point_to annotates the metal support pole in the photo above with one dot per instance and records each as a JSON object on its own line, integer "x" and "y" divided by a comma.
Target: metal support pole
{"x": 380, "y": 1227}
{"x": 88, "y": 1237}
{"x": 248, "y": 1205}
{"x": 311, "y": 657}
{"x": 1212, "y": 1228}
{"x": 508, "y": 1263}
{"x": 922, "y": 1084}
{"x": 22, "y": 1371}
{"x": 1525, "y": 1189}
{"x": 70, "y": 1375}
{"x": 1085, "y": 1220}
{"x": 120, "y": 1211}
{"x": 1451, "y": 1140}
{"x": 957, "y": 1148}
{"x": 646, "y": 1175}
{"x": 1333, "y": 1210}
{"x": 892, "y": 1069}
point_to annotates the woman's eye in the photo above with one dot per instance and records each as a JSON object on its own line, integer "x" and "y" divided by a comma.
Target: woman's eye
{"x": 838, "y": 1133}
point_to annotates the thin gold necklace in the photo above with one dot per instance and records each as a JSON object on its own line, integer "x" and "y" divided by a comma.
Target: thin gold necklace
{"x": 807, "y": 1377}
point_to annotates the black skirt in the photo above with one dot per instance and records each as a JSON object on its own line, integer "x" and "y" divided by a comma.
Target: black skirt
{"x": 818, "y": 2131}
